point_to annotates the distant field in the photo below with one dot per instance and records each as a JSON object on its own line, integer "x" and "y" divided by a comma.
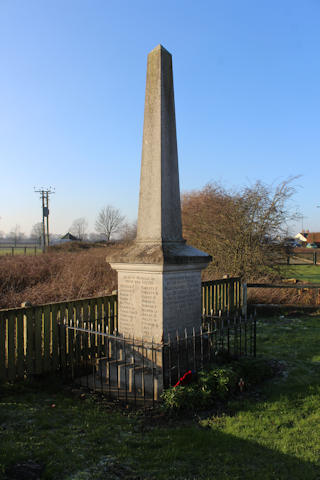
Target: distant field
{"x": 304, "y": 273}
{"x": 20, "y": 250}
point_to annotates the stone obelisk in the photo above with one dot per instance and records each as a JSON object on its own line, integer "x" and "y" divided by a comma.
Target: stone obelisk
{"x": 159, "y": 276}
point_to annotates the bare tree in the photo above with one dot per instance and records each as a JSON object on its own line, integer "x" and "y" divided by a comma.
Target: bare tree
{"x": 79, "y": 228}
{"x": 37, "y": 232}
{"x": 128, "y": 231}
{"x": 16, "y": 234}
{"x": 240, "y": 229}
{"x": 109, "y": 221}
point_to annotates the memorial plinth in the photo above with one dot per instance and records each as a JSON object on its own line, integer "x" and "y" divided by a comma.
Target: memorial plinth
{"x": 159, "y": 276}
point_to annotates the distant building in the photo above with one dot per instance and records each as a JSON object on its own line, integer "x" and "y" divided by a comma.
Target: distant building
{"x": 309, "y": 237}
{"x": 302, "y": 237}
{"x": 68, "y": 237}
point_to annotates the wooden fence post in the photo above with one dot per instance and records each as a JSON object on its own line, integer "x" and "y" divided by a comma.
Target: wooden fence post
{"x": 34, "y": 340}
{"x": 3, "y": 334}
{"x": 244, "y": 299}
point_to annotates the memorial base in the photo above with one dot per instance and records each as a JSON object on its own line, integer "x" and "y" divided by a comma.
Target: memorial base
{"x": 157, "y": 301}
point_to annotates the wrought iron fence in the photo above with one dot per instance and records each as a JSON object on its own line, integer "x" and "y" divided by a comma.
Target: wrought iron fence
{"x": 124, "y": 369}
{"x": 137, "y": 371}
{"x": 31, "y": 341}
{"x": 218, "y": 337}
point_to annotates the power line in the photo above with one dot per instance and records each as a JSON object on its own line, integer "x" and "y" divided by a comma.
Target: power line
{"x": 44, "y": 196}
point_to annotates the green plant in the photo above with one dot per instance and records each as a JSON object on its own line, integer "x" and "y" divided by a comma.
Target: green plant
{"x": 219, "y": 381}
{"x": 216, "y": 384}
{"x": 182, "y": 398}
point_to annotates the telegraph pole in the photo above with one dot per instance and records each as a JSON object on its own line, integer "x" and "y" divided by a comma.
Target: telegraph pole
{"x": 44, "y": 196}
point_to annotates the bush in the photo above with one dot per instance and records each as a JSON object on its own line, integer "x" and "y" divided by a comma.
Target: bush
{"x": 181, "y": 398}
{"x": 216, "y": 384}
{"x": 239, "y": 228}
{"x": 218, "y": 381}
{"x": 55, "y": 276}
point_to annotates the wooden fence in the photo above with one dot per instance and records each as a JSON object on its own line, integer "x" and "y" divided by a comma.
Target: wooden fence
{"x": 305, "y": 257}
{"x": 20, "y": 250}
{"x": 225, "y": 296}
{"x": 32, "y": 341}
{"x": 300, "y": 287}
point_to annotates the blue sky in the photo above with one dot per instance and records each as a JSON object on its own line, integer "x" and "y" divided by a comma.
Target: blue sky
{"x": 246, "y": 73}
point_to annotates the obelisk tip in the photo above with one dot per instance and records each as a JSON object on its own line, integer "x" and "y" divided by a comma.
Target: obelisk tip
{"x": 161, "y": 48}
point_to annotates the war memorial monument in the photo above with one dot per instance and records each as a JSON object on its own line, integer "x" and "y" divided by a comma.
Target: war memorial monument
{"x": 159, "y": 276}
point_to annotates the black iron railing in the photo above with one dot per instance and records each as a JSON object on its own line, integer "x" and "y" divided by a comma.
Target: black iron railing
{"x": 137, "y": 371}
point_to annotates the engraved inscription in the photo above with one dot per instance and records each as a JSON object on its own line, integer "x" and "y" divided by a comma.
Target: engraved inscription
{"x": 140, "y": 309}
{"x": 153, "y": 305}
{"x": 182, "y": 301}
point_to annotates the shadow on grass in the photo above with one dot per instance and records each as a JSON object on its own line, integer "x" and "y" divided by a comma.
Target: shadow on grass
{"x": 212, "y": 454}
{"x": 81, "y": 439}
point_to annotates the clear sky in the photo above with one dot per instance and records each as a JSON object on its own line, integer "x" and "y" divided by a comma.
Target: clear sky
{"x": 72, "y": 80}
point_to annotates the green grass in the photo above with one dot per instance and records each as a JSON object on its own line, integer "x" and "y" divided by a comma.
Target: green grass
{"x": 272, "y": 433}
{"x": 19, "y": 251}
{"x": 304, "y": 273}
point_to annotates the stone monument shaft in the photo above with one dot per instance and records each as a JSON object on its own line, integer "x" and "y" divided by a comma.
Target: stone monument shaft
{"x": 159, "y": 276}
{"x": 159, "y": 218}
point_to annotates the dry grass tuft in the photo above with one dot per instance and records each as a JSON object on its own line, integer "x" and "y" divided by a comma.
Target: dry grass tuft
{"x": 55, "y": 276}
{"x": 79, "y": 270}
{"x": 284, "y": 296}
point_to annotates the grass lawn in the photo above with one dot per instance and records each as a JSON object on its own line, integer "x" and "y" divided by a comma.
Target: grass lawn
{"x": 272, "y": 433}
{"x": 304, "y": 273}
{"x": 19, "y": 251}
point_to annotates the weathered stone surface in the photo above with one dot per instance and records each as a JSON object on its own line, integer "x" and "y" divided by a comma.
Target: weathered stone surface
{"x": 154, "y": 253}
{"x": 159, "y": 233}
{"x": 156, "y": 301}
{"x": 159, "y": 276}
{"x": 159, "y": 218}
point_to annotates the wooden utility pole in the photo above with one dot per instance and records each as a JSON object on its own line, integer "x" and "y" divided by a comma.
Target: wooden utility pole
{"x": 44, "y": 196}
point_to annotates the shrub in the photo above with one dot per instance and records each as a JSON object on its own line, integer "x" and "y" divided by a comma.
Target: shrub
{"x": 181, "y": 398}
{"x": 239, "y": 228}
{"x": 218, "y": 381}
{"x": 216, "y": 384}
{"x": 55, "y": 276}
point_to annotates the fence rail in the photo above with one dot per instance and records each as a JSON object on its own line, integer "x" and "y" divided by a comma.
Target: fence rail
{"x": 138, "y": 371}
{"x": 225, "y": 296}
{"x": 308, "y": 295}
{"x": 20, "y": 250}
{"x": 297, "y": 286}
{"x": 31, "y": 342}
{"x": 311, "y": 257}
